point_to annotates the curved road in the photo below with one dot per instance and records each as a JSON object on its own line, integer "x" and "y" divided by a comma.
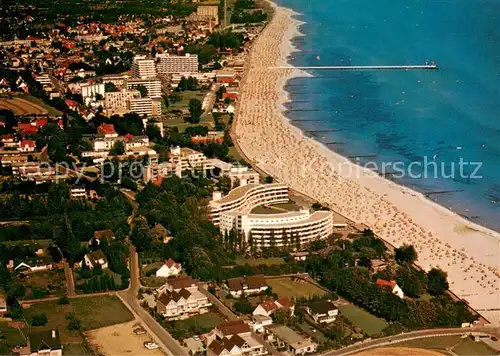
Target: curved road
{"x": 420, "y": 334}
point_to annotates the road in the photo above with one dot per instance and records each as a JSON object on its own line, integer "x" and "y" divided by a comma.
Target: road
{"x": 70, "y": 281}
{"x": 414, "y": 335}
{"x": 211, "y": 97}
{"x": 129, "y": 297}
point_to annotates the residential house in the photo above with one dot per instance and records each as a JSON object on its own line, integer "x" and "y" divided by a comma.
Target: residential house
{"x": 182, "y": 304}
{"x": 284, "y": 337}
{"x": 268, "y": 306}
{"x": 94, "y": 259}
{"x": 299, "y": 256}
{"x": 246, "y": 285}
{"x": 160, "y": 233}
{"x": 36, "y": 264}
{"x": 233, "y": 338}
{"x": 101, "y": 235}
{"x": 169, "y": 268}
{"x": 108, "y": 130}
{"x": 175, "y": 284}
{"x": 392, "y": 286}
{"x": 322, "y": 311}
{"x": 45, "y": 343}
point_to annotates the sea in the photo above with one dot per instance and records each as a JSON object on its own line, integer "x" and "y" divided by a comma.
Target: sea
{"x": 436, "y": 131}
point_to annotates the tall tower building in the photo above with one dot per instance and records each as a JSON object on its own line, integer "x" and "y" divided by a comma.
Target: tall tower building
{"x": 143, "y": 67}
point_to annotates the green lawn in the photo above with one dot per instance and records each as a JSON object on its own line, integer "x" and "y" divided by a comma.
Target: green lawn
{"x": 285, "y": 287}
{"x": 233, "y": 153}
{"x": 183, "y": 125}
{"x": 206, "y": 321}
{"x": 93, "y": 312}
{"x": 361, "y": 318}
{"x": 11, "y": 336}
{"x": 432, "y": 343}
{"x": 76, "y": 349}
{"x": 185, "y": 96}
{"x": 260, "y": 261}
{"x": 468, "y": 347}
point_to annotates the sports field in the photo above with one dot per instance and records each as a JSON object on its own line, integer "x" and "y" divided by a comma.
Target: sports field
{"x": 285, "y": 287}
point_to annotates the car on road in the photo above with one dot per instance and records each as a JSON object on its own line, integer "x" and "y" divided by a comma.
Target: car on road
{"x": 150, "y": 345}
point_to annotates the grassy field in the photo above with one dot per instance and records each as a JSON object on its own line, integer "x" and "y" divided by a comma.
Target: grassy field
{"x": 315, "y": 335}
{"x": 208, "y": 321}
{"x": 233, "y": 153}
{"x": 185, "y": 96}
{"x": 361, "y": 318}
{"x": 260, "y": 261}
{"x": 285, "y": 287}
{"x": 11, "y": 336}
{"x": 182, "y": 125}
{"x": 93, "y": 312}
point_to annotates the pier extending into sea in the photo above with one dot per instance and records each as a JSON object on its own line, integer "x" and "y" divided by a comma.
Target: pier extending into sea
{"x": 390, "y": 67}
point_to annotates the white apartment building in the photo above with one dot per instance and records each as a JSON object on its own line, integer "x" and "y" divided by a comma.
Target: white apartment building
{"x": 153, "y": 85}
{"x": 142, "y": 67}
{"x": 208, "y": 12}
{"x": 89, "y": 92}
{"x": 117, "y": 79}
{"x": 117, "y": 102}
{"x": 43, "y": 79}
{"x": 285, "y": 228}
{"x": 245, "y": 198}
{"x": 233, "y": 212}
{"x": 169, "y": 63}
{"x": 144, "y": 106}
{"x": 184, "y": 159}
{"x": 241, "y": 174}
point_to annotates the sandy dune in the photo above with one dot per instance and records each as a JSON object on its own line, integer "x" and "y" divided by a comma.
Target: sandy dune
{"x": 468, "y": 252}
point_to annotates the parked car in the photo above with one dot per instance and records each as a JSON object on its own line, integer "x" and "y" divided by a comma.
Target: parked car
{"x": 150, "y": 345}
{"x": 139, "y": 331}
{"x": 196, "y": 338}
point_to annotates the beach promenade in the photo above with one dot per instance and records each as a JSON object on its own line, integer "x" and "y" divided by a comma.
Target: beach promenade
{"x": 468, "y": 252}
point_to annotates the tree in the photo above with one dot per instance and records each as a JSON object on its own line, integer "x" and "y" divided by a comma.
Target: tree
{"x": 153, "y": 132}
{"x": 268, "y": 179}
{"x": 406, "y": 254}
{"x": 39, "y": 320}
{"x": 67, "y": 241}
{"x": 411, "y": 281}
{"x": 109, "y": 87}
{"x": 142, "y": 90}
{"x": 194, "y": 111}
{"x": 118, "y": 149}
{"x": 56, "y": 140}
{"x": 243, "y": 306}
{"x": 129, "y": 183}
{"x": 224, "y": 184}
{"x": 437, "y": 282}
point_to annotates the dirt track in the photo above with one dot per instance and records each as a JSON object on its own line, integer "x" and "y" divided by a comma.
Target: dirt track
{"x": 21, "y": 106}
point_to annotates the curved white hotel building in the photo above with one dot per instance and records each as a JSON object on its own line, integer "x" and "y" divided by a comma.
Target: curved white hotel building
{"x": 234, "y": 212}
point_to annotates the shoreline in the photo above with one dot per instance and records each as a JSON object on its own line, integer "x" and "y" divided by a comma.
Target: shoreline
{"x": 470, "y": 253}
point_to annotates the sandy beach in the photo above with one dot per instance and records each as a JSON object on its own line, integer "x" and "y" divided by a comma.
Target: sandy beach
{"x": 468, "y": 252}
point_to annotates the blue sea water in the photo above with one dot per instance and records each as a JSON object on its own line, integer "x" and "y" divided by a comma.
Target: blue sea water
{"x": 445, "y": 114}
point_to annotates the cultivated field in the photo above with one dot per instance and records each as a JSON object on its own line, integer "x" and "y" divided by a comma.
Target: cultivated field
{"x": 20, "y": 106}
{"x": 120, "y": 340}
{"x": 456, "y": 344}
{"x": 361, "y": 318}
{"x": 285, "y": 287}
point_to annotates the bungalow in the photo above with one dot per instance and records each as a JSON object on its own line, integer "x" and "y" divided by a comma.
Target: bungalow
{"x": 169, "y": 268}
{"x": 323, "y": 311}
{"x": 268, "y": 306}
{"x": 45, "y": 343}
{"x": 392, "y": 286}
{"x": 31, "y": 264}
{"x": 284, "y": 337}
{"x": 246, "y": 285}
{"x": 102, "y": 235}
{"x": 94, "y": 259}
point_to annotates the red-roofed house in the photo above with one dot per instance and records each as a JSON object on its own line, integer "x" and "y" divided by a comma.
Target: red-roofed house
{"x": 26, "y": 128}
{"x": 73, "y": 105}
{"x": 392, "y": 286}
{"x": 108, "y": 130}
{"x": 27, "y": 146}
{"x": 41, "y": 122}
{"x": 232, "y": 96}
{"x": 268, "y": 306}
{"x": 169, "y": 268}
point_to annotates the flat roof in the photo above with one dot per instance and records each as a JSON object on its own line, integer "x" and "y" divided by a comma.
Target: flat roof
{"x": 241, "y": 191}
{"x": 314, "y": 217}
